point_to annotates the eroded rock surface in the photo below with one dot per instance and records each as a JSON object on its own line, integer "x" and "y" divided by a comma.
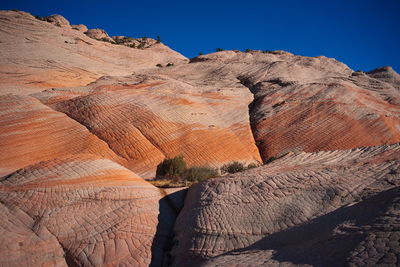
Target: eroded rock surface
{"x": 303, "y": 103}
{"x": 147, "y": 118}
{"x": 363, "y": 234}
{"x": 98, "y": 34}
{"x": 37, "y": 55}
{"x": 82, "y": 211}
{"x": 108, "y": 99}
{"x": 31, "y": 132}
{"x": 246, "y": 215}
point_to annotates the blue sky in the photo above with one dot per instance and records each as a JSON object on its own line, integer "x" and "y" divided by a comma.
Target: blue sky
{"x": 363, "y": 34}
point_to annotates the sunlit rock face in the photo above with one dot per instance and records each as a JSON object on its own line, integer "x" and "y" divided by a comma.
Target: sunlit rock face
{"x": 144, "y": 119}
{"x": 82, "y": 211}
{"x": 31, "y": 132}
{"x": 37, "y": 54}
{"x": 343, "y": 204}
{"x": 83, "y": 122}
{"x": 303, "y": 103}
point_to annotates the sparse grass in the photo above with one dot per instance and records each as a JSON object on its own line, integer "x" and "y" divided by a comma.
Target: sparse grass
{"x": 233, "y": 167}
{"x": 172, "y": 172}
{"x": 166, "y": 183}
{"x": 252, "y": 166}
{"x": 199, "y": 173}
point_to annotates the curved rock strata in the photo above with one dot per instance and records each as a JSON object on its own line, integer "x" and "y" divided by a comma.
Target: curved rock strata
{"x": 37, "y": 55}
{"x": 31, "y": 132}
{"x": 147, "y": 119}
{"x": 239, "y": 211}
{"x": 364, "y": 234}
{"x": 82, "y": 211}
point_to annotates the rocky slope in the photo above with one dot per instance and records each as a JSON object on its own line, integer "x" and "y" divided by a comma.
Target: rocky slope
{"x": 82, "y": 211}
{"x": 295, "y": 209}
{"x": 85, "y": 116}
{"x": 147, "y": 118}
{"x": 32, "y": 132}
{"x": 38, "y": 54}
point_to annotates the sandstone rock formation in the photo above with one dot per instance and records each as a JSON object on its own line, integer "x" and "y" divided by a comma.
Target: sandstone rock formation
{"x": 82, "y": 211}
{"x": 364, "y": 234}
{"x": 36, "y": 55}
{"x": 58, "y": 20}
{"x": 140, "y": 43}
{"x": 32, "y": 132}
{"x": 99, "y": 34}
{"x": 302, "y": 103}
{"x": 257, "y": 217}
{"x": 147, "y": 118}
{"x": 79, "y": 27}
{"x": 82, "y": 121}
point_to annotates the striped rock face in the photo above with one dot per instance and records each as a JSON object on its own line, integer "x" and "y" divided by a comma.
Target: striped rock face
{"x": 31, "y": 132}
{"x": 303, "y": 103}
{"x": 81, "y": 211}
{"x": 87, "y": 120}
{"x": 36, "y": 55}
{"x": 144, "y": 121}
{"x": 342, "y": 204}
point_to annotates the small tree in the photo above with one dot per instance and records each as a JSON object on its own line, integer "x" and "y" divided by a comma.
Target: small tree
{"x": 158, "y": 39}
{"x": 219, "y": 49}
{"x": 171, "y": 168}
{"x": 200, "y": 54}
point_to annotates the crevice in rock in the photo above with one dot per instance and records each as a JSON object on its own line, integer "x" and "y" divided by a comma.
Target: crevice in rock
{"x": 254, "y": 89}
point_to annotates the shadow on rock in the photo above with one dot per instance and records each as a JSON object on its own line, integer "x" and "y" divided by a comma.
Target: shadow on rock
{"x": 328, "y": 240}
{"x": 169, "y": 208}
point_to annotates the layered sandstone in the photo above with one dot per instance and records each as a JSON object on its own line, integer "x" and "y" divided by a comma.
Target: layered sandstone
{"x": 257, "y": 217}
{"x": 31, "y": 132}
{"x": 36, "y": 55}
{"x": 303, "y": 103}
{"x": 82, "y": 211}
{"x": 144, "y": 119}
{"x": 109, "y": 101}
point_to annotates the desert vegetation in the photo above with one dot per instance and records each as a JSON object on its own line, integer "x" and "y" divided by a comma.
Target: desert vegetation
{"x": 173, "y": 172}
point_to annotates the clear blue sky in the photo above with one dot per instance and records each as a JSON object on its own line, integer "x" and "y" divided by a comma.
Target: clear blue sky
{"x": 363, "y": 34}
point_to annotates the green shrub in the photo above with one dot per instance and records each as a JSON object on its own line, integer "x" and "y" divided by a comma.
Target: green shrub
{"x": 170, "y": 64}
{"x": 159, "y": 65}
{"x": 132, "y": 45}
{"x": 141, "y": 45}
{"x": 247, "y": 50}
{"x": 219, "y": 49}
{"x": 158, "y": 39}
{"x": 201, "y": 53}
{"x": 199, "y": 173}
{"x": 171, "y": 168}
{"x": 233, "y": 167}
